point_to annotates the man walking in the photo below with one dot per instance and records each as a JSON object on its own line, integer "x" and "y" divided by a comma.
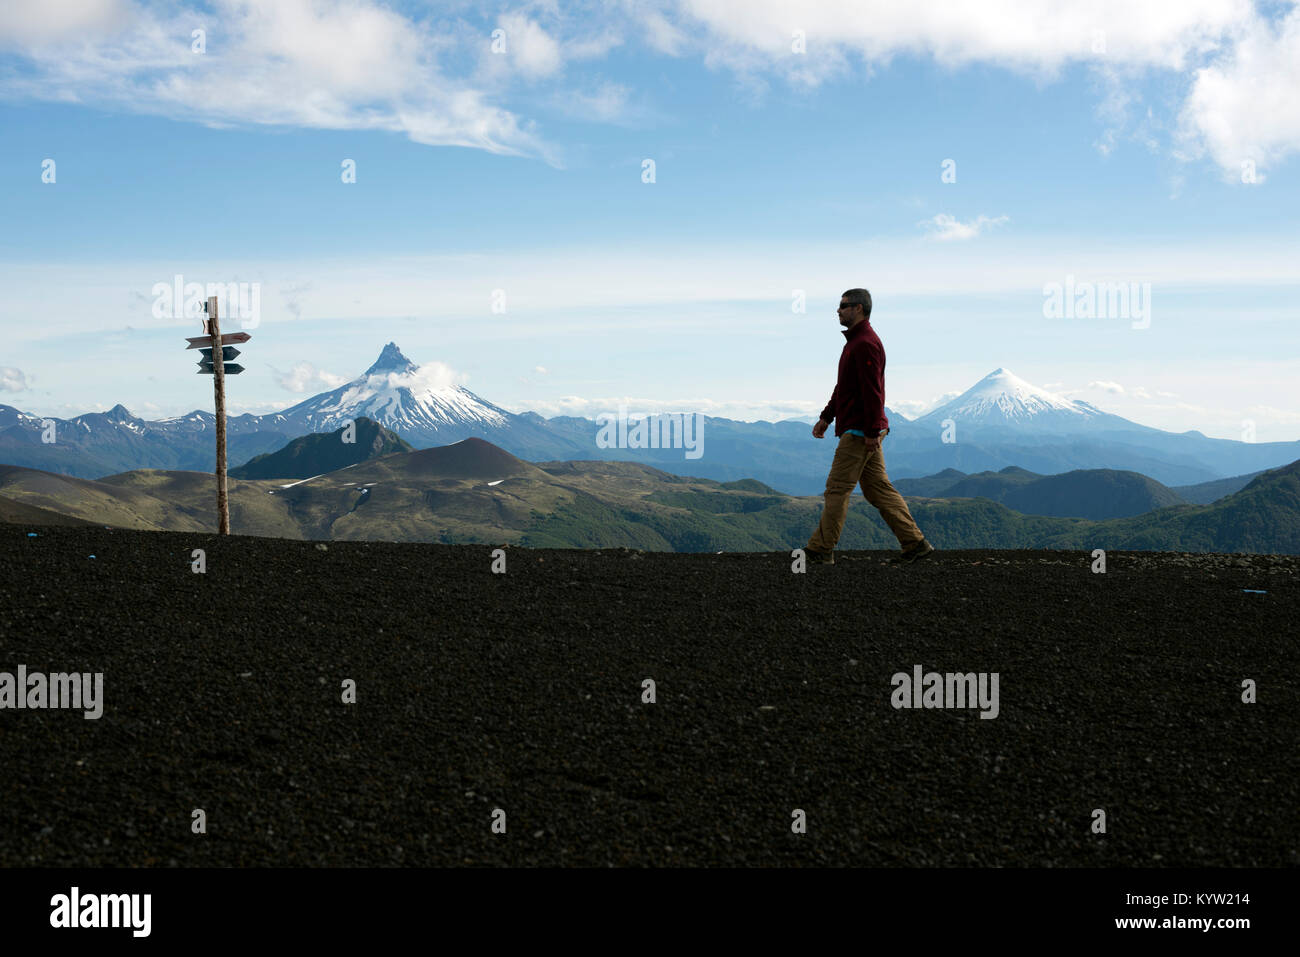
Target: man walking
{"x": 857, "y": 408}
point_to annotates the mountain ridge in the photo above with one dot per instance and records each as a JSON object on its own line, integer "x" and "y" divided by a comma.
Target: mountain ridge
{"x": 1003, "y": 421}
{"x": 321, "y": 452}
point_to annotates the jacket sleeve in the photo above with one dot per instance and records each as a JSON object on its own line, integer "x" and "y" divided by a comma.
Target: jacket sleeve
{"x": 867, "y": 372}
{"x": 828, "y": 413}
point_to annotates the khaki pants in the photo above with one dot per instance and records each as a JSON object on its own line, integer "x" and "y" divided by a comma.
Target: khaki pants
{"x": 860, "y": 460}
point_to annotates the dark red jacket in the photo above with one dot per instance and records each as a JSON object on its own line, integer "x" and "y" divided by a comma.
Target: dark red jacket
{"x": 858, "y": 401}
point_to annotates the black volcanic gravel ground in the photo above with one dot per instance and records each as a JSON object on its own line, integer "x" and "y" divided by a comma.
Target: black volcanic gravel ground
{"x": 523, "y": 691}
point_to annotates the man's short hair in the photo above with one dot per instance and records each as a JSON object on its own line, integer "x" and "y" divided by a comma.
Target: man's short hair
{"x": 859, "y": 296}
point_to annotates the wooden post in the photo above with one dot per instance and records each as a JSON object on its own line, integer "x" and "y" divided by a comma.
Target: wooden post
{"x": 219, "y": 394}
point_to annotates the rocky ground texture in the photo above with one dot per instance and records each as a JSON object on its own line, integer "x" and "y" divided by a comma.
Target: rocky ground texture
{"x": 523, "y": 692}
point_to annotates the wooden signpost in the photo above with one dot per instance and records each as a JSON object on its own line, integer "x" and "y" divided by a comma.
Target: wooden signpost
{"x": 218, "y": 370}
{"x": 228, "y": 353}
{"x": 203, "y": 342}
{"x": 232, "y": 368}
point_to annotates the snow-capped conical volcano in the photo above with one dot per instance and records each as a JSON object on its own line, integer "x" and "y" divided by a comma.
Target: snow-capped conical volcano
{"x": 422, "y": 404}
{"x": 1003, "y": 400}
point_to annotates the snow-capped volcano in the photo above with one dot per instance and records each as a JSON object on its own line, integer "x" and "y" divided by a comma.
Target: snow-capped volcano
{"x": 1003, "y": 400}
{"x": 420, "y": 403}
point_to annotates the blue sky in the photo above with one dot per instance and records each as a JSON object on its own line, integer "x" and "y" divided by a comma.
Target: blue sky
{"x": 1088, "y": 142}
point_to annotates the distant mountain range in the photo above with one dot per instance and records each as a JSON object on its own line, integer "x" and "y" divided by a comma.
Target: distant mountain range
{"x": 103, "y": 443}
{"x": 473, "y": 491}
{"x": 1002, "y": 421}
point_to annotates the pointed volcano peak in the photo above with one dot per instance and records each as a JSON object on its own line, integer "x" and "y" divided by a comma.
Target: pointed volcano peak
{"x": 391, "y": 360}
{"x": 1004, "y": 380}
{"x": 1002, "y": 398}
{"x": 1001, "y": 373}
{"x": 119, "y": 413}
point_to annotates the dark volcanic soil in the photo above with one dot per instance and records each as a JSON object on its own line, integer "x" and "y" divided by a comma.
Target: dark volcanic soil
{"x": 522, "y": 692}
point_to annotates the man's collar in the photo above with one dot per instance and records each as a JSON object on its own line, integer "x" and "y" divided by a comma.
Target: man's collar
{"x": 856, "y": 329}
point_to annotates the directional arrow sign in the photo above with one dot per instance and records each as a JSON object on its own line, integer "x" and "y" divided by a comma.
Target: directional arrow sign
{"x": 230, "y": 338}
{"x": 227, "y": 353}
{"x": 231, "y": 368}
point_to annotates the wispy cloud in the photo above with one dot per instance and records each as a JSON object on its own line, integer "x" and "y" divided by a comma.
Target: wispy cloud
{"x": 1242, "y": 64}
{"x": 572, "y": 286}
{"x": 305, "y": 377}
{"x": 946, "y": 228}
{"x": 429, "y": 377}
{"x": 363, "y": 64}
{"x": 12, "y": 380}
{"x": 605, "y": 103}
{"x": 324, "y": 64}
{"x": 915, "y": 408}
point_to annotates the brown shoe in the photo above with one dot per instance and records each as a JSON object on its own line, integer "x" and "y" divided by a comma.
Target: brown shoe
{"x": 819, "y": 558}
{"x": 921, "y": 549}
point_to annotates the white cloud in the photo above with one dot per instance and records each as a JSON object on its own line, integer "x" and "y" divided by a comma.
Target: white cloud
{"x": 13, "y": 380}
{"x": 912, "y": 408}
{"x": 1025, "y": 35}
{"x": 946, "y": 228}
{"x": 1113, "y": 387}
{"x": 304, "y": 377}
{"x": 369, "y": 65}
{"x": 1243, "y": 108}
{"x": 535, "y": 52}
{"x": 921, "y": 408}
{"x": 430, "y": 377}
{"x": 1120, "y": 94}
{"x": 661, "y": 34}
{"x": 49, "y": 21}
{"x": 292, "y": 294}
{"x": 947, "y": 397}
{"x": 325, "y": 64}
{"x": 531, "y": 50}
{"x": 234, "y": 407}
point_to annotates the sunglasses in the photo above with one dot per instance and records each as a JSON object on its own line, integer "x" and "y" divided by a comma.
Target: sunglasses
{"x": 847, "y": 305}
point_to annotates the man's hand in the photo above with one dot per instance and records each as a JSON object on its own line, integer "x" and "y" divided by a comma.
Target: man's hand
{"x": 820, "y": 428}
